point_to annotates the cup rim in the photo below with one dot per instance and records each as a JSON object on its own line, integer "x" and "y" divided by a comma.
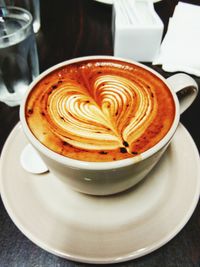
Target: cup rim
{"x": 74, "y": 163}
{"x": 23, "y": 28}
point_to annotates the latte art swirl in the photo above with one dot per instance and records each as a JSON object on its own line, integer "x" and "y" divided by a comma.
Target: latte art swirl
{"x": 114, "y": 111}
{"x": 96, "y": 109}
{"x": 77, "y": 119}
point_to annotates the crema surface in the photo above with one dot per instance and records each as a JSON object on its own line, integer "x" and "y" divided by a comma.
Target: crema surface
{"x": 100, "y": 110}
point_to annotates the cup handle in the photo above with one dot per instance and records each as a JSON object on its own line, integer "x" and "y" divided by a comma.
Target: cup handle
{"x": 185, "y": 87}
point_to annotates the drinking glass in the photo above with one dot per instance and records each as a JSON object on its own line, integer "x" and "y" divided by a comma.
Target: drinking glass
{"x": 33, "y": 6}
{"x": 18, "y": 54}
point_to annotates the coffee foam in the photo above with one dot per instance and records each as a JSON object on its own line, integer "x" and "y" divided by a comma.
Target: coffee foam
{"x": 100, "y": 106}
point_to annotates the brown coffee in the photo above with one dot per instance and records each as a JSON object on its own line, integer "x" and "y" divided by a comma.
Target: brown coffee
{"x": 100, "y": 110}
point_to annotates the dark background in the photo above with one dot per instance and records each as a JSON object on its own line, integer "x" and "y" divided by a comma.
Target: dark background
{"x": 73, "y": 28}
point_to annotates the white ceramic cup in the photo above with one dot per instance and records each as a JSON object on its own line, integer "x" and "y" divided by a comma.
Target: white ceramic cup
{"x": 105, "y": 178}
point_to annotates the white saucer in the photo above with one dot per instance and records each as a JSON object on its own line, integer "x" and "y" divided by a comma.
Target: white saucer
{"x": 110, "y": 2}
{"x": 102, "y": 229}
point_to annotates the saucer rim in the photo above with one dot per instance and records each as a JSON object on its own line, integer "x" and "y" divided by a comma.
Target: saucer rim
{"x": 95, "y": 260}
{"x": 110, "y": 2}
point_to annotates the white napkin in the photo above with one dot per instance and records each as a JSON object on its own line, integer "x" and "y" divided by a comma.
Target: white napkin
{"x": 180, "y": 49}
{"x": 12, "y": 99}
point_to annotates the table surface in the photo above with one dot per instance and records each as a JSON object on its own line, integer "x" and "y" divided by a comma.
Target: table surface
{"x": 72, "y": 28}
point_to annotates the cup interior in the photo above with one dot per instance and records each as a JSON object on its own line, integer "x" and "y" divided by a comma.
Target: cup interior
{"x": 97, "y": 165}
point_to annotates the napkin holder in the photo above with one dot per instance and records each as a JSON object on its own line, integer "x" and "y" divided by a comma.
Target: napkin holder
{"x": 137, "y": 30}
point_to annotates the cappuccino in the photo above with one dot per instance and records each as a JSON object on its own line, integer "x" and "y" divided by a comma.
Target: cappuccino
{"x": 100, "y": 110}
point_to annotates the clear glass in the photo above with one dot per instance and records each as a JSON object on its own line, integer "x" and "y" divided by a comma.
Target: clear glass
{"x": 18, "y": 54}
{"x": 33, "y": 6}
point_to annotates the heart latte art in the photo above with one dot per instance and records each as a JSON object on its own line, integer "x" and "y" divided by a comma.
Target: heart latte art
{"x": 100, "y": 110}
